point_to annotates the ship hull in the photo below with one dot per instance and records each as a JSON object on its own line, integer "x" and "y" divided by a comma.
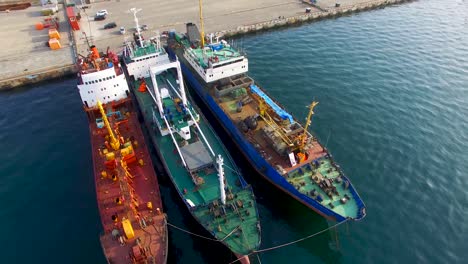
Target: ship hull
{"x": 145, "y": 185}
{"x": 155, "y": 137}
{"x": 247, "y": 149}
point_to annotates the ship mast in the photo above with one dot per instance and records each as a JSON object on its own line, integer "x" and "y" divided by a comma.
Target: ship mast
{"x": 308, "y": 121}
{"x": 115, "y": 144}
{"x": 135, "y": 11}
{"x": 220, "y": 162}
{"x": 202, "y": 28}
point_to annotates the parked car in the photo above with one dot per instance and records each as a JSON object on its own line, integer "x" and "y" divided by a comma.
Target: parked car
{"x": 122, "y": 30}
{"x": 102, "y": 13}
{"x": 110, "y": 25}
{"x": 96, "y": 18}
{"x": 144, "y": 27}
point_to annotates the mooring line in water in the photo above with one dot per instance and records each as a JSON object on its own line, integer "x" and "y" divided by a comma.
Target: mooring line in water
{"x": 183, "y": 230}
{"x": 292, "y": 242}
{"x": 258, "y": 257}
{"x": 233, "y": 170}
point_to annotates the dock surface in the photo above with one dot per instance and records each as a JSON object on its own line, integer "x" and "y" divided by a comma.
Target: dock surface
{"x": 25, "y": 58}
{"x": 24, "y": 52}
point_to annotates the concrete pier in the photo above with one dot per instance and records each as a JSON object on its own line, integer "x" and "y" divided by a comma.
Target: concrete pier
{"x": 24, "y": 57}
{"x": 27, "y": 59}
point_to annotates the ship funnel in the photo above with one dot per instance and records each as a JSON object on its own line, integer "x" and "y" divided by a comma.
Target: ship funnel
{"x": 95, "y": 52}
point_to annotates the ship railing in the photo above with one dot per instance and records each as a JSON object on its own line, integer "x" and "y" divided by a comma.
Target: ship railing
{"x": 229, "y": 157}
{"x": 201, "y": 132}
{"x": 175, "y": 141}
{"x": 193, "y": 119}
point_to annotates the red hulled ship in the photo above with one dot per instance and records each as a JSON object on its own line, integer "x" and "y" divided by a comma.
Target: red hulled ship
{"x": 127, "y": 189}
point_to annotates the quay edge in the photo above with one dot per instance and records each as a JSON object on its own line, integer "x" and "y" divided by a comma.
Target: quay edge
{"x": 319, "y": 14}
{"x": 37, "y": 77}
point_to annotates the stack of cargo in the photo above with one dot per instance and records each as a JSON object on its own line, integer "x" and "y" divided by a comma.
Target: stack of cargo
{"x": 54, "y": 37}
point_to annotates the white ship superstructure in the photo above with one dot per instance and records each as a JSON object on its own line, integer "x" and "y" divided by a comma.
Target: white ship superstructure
{"x": 100, "y": 78}
{"x": 140, "y": 54}
{"x": 216, "y": 61}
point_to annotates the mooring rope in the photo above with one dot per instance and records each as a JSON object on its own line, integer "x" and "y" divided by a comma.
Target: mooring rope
{"x": 292, "y": 242}
{"x": 183, "y": 230}
{"x": 233, "y": 170}
{"x": 209, "y": 238}
{"x": 258, "y": 257}
{"x": 265, "y": 249}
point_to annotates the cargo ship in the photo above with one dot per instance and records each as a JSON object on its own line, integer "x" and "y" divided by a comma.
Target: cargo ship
{"x": 200, "y": 168}
{"x": 280, "y": 148}
{"x": 127, "y": 189}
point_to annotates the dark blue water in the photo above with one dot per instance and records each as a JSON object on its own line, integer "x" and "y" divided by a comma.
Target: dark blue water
{"x": 393, "y": 91}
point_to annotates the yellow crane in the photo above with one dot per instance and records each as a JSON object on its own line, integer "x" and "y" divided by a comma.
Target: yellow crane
{"x": 202, "y": 29}
{"x": 115, "y": 143}
{"x": 263, "y": 109}
{"x": 303, "y": 137}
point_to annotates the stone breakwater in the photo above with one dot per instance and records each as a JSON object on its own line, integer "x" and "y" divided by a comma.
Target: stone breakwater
{"x": 317, "y": 13}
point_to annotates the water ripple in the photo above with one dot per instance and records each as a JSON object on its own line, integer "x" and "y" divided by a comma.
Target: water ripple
{"x": 393, "y": 87}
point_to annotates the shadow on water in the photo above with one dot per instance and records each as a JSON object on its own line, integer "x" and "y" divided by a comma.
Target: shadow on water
{"x": 283, "y": 218}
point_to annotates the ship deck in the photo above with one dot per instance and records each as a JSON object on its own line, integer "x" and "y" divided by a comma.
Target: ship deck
{"x": 153, "y": 238}
{"x": 239, "y": 219}
{"x": 147, "y": 49}
{"x": 260, "y": 142}
{"x": 301, "y": 175}
{"x": 219, "y": 51}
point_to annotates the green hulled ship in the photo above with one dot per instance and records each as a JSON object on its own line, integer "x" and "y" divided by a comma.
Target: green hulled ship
{"x": 201, "y": 169}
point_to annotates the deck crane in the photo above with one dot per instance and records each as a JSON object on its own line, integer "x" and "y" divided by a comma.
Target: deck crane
{"x": 263, "y": 109}
{"x": 202, "y": 27}
{"x": 303, "y": 137}
{"x": 115, "y": 143}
